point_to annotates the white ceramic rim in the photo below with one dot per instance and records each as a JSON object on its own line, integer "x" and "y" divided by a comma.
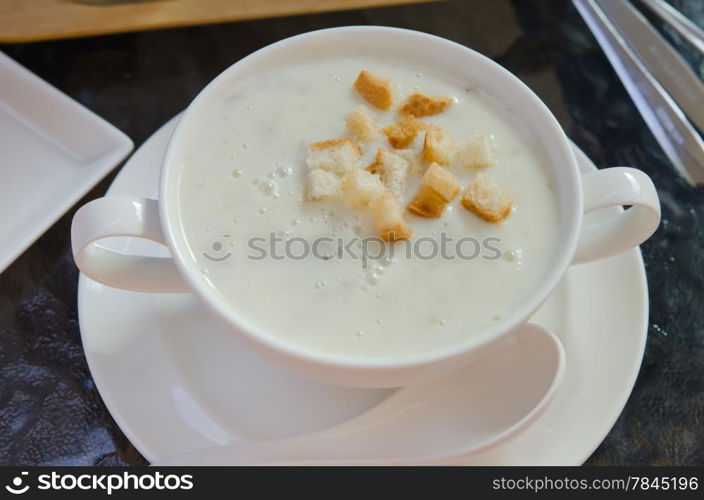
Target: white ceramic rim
{"x": 560, "y": 148}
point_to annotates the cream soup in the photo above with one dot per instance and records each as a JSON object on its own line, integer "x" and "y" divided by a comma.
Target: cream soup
{"x": 242, "y": 195}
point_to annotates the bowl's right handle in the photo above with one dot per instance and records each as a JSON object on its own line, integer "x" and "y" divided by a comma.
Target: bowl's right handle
{"x": 623, "y": 230}
{"x": 123, "y": 216}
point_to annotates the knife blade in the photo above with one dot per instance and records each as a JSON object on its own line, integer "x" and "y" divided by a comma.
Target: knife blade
{"x": 686, "y": 28}
{"x": 663, "y": 61}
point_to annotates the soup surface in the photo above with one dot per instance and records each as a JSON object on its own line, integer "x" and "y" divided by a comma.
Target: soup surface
{"x": 252, "y": 232}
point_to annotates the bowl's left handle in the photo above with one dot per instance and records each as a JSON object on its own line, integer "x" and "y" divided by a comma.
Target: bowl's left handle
{"x": 123, "y": 216}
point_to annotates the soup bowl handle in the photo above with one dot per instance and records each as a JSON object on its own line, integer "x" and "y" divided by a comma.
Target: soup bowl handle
{"x": 622, "y": 230}
{"x": 123, "y": 216}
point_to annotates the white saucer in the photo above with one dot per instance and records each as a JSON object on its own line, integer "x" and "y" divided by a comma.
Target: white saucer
{"x": 175, "y": 380}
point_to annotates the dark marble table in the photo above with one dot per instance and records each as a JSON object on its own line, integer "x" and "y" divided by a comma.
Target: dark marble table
{"x": 50, "y": 410}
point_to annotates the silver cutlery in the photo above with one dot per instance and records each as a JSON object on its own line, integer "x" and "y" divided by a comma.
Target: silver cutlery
{"x": 663, "y": 61}
{"x": 686, "y": 28}
{"x": 653, "y": 98}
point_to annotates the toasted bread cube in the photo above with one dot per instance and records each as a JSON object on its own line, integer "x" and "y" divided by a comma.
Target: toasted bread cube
{"x": 438, "y": 187}
{"x": 388, "y": 218}
{"x": 438, "y": 146}
{"x": 427, "y": 203}
{"x": 323, "y": 185}
{"x": 359, "y": 187}
{"x": 392, "y": 169}
{"x": 442, "y": 182}
{"x": 415, "y": 164}
{"x": 375, "y": 89}
{"x": 402, "y": 133}
{"x": 362, "y": 124}
{"x": 478, "y": 152}
{"x": 336, "y": 155}
{"x": 420, "y": 105}
{"x": 488, "y": 199}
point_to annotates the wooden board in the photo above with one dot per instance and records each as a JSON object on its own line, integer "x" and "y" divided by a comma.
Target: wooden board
{"x": 31, "y": 20}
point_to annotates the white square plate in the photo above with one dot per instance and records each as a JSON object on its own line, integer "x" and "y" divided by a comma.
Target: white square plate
{"x": 52, "y": 151}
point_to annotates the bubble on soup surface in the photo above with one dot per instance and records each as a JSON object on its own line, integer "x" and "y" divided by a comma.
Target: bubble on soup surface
{"x": 284, "y": 171}
{"x": 236, "y": 173}
{"x": 437, "y": 321}
{"x": 269, "y": 188}
{"x": 372, "y": 278}
{"x": 513, "y": 256}
{"x": 387, "y": 261}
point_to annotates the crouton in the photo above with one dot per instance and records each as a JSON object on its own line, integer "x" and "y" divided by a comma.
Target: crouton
{"x": 402, "y": 133}
{"x": 388, "y": 218}
{"x": 438, "y": 187}
{"x": 375, "y": 89}
{"x": 420, "y": 105}
{"x": 362, "y": 124}
{"x": 478, "y": 152}
{"x": 392, "y": 169}
{"x": 336, "y": 155}
{"x": 487, "y": 199}
{"x": 323, "y": 185}
{"x": 359, "y": 187}
{"x": 438, "y": 146}
{"x": 415, "y": 164}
